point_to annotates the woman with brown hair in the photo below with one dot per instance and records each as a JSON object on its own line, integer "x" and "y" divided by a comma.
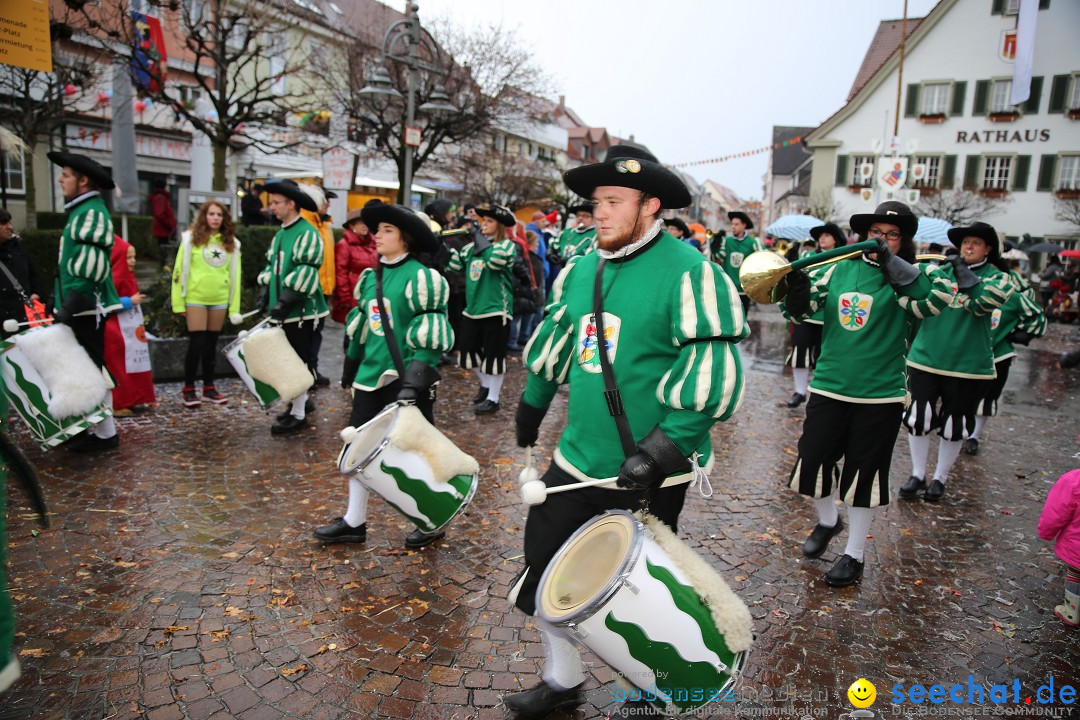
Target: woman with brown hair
{"x": 206, "y": 288}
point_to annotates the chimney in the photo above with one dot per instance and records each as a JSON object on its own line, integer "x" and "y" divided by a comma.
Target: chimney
{"x": 562, "y": 101}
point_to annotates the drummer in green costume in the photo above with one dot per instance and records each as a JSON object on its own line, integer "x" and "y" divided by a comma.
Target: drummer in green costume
{"x": 730, "y": 251}
{"x": 579, "y": 239}
{"x": 414, "y": 298}
{"x": 289, "y": 284}
{"x": 84, "y": 291}
{"x": 671, "y": 320}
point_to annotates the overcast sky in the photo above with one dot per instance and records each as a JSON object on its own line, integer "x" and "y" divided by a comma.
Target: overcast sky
{"x": 694, "y": 79}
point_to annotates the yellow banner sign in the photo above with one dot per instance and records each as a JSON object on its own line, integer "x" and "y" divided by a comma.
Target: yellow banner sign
{"x": 24, "y": 34}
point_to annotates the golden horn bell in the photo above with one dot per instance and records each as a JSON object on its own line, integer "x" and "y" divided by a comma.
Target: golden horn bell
{"x": 762, "y": 274}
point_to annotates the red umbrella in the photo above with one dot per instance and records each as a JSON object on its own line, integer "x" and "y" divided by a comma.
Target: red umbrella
{"x": 1069, "y": 253}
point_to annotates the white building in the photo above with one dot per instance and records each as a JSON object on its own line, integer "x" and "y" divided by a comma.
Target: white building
{"x": 955, "y": 118}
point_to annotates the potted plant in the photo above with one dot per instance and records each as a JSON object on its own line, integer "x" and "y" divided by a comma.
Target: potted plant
{"x": 993, "y": 192}
{"x": 932, "y": 118}
{"x": 1004, "y": 116}
{"x": 1073, "y": 114}
{"x": 1068, "y": 193}
{"x": 856, "y": 188}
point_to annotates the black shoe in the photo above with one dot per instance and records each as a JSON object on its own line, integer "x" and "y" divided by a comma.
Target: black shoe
{"x": 288, "y": 425}
{"x": 796, "y": 400}
{"x": 846, "y": 571}
{"x": 632, "y": 709}
{"x": 92, "y": 443}
{"x": 321, "y": 380}
{"x": 189, "y": 397}
{"x": 934, "y": 492}
{"x": 418, "y": 539}
{"x": 488, "y": 407}
{"x": 912, "y": 488}
{"x": 541, "y": 700}
{"x": 212, "y": 395}
{"x": 820, "y": 537}
{"x": 309, "y": 407}
{"x": 481, "y": 395}
{"x": 971, "y": 446}
{"x": 340, "y": 531}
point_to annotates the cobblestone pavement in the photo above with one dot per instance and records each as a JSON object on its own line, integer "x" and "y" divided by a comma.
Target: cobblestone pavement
{"x": 179, "y": 578}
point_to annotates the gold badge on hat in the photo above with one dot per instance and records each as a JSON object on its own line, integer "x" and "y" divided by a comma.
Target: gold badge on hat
{"x": 633, "y": 166}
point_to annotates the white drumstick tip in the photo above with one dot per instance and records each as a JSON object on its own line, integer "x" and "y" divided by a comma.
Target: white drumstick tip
{"x": 11, "y": 325}
{"x": 528, "y": 474}
{"x": 534, "y": 492}
{"x": 242, "y": 333}
{"x": 348, "y": 434}
{"x": 236, "y": 318}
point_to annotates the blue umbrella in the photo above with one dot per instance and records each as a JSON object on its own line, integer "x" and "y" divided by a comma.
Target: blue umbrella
{"x": 932, "y": 230}
{"x": 793, "y": 227}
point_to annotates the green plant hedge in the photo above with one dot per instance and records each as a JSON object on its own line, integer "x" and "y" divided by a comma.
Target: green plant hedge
{"x": 139, "y": 231}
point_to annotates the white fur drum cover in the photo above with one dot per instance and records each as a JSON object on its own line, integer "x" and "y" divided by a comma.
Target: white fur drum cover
{"x": 271, "y": 359}
{"x": 412, "y": 432}
{"x": 75, "y": 383}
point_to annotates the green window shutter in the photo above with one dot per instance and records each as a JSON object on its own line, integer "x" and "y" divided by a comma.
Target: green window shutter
{"x": 982, "y": 94}
{"x": 911, "y": 105}
{"x": 1023, "y": 169}
{"x": 948, "y": 172}
{"x": 1044, "y": 4}
{"x": 997, "y": 7}
{"x": 971, "y": 172}
{"x": 1059, "y": 87}
{"x": 1031, "y": 106}
{"x": 959, "y": 90}
{"x": 842, "y": 170}
{"x": 1047, "y": 171}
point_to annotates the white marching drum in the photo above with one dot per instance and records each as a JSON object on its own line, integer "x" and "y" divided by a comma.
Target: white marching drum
{"x": 416, "y": 469}
{"x": 268, "y": 365}
{"x": 659, "y": 616}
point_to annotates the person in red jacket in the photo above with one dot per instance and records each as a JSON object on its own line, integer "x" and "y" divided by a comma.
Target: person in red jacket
{"x": 129, "y": 366}
{"x": 163, "y": 226}
{"x": 354, "y": 253}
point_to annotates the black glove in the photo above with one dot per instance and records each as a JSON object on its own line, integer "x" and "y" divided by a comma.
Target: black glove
{"x": 716, "y": 242}
{"x": 287, "y": 300}
{"x": 419, "y": 377}
{"x": 965, "y": 276}
{"x": 656, "y": 458}
{"x": 1019, "y": 337}
{"x": 554, "y": 258}
{"x": 348, "y": 372}
{"x": 798, "y": 293}
{"x": 480, "y": 241}
{"x": 898, "y": 271}
{"x": 74, "y": 303}
{"x": 264, "y": 298}
{"x": 527, "y": 423}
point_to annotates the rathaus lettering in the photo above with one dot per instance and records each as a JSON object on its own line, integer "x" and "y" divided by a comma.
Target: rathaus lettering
{"x": 1002, "y": 136}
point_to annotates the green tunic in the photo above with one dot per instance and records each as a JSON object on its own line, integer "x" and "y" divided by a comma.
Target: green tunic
{"x": 672, "y": 319}
{"x": 731, "y": 254}
{"x": 85, "y": 246}
{"x": 1019, "y": 311}
{"x": 957, "y": 341}
{"x": 489, "y": 279}
{"x": 573, "y": 242}
{"x": 866, "y": 325}
{"x": 292, "y": 261}
{"x": 415, "y": 299}
{"x": 9, "y": 663}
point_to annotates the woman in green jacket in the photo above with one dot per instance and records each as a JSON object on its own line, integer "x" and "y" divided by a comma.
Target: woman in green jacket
{"x": 205, "y": 288}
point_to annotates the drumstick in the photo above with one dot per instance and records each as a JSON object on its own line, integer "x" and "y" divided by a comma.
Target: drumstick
{"x": 535, "y": 492}
{"x": 529, "y": 473}
{"x": 11, "y": 325}
{"x": 237, "y": 318}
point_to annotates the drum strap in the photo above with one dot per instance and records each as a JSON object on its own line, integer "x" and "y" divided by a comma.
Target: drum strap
{"x": 388, "y": 331}
{"x": 16, "y": 285}
{"x": 611, "y": 389}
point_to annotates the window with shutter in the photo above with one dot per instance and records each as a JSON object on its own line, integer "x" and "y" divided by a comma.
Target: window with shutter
{"x": 958, "y": 92}
{"x": 858, "y": 176}
{"x": 935, "y": 99}
{"x": 1059, "y": 89}
{"x": 1022, "y": 170}
{"x": 948, "y": 173}
{"x": 911, "y": 103}
{"x": 841, "y": 169}
{"x": 932, "y": 177}
{"x": 997, "y": 172}
{"x": 971, "y": 172}
{"x": 1047, "y": 168}
{"x": 997, "y": 7}
{"x": 1068, "y": 176}
{"x": 1074, "y": 95}
{"x": 982, "y": 94}
{"x": 1031, "y": 106}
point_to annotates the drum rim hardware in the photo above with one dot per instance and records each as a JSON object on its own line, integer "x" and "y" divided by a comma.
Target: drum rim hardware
{"x": 375, "y": 451}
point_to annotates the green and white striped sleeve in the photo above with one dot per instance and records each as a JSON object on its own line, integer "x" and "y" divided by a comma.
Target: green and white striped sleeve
{"x": 707, "y": 377}
{"x": 988, "y": 295}
{"x": 550, "y": 351}
{"x": 928, "y": 295}
{"x": 1032, "y": 316}
{"x": 307, "y": 256}
{"x": 263, "y": 278}
{"x": 456, "y": 263}
{"x": 426, "y": 296}
{"x": 92, "y": 234}
{"x": 502, "y": 256}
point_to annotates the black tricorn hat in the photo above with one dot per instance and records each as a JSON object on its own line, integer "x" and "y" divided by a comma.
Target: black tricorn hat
{"x": 979, "y": 230}
{"x": 289, "y": 189}
{"x": 581, "y": 206}
{"x": 330, "y": 194}
{"x": 499, "y": 213}
{"x": 891, "y": 212}
{"x": 681, "y": 224}
{"x": 84, "y": 166}
{"x": 829, "y": 229}
{"x": 438, "y": 209}
{"x": 742, "y": 216}
{"x": 404, "y": 219}
{"x": 632, "y": 167}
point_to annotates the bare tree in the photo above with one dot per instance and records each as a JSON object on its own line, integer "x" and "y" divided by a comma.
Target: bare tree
{"x": 494, "y": 176}
{"x": 823, "y": 205}
{"x": 250, "y": 64}
{"x": 491, "y": 80}
{"x": 960, "y": 207}
{"x": 34, "y": 103}
{"x": 1067, "y": 210}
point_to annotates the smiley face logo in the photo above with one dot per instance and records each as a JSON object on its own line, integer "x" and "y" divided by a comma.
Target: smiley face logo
{"x": 862, "y": 693}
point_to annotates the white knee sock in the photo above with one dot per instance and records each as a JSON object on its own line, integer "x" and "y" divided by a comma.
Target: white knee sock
{"x": 495, "y": 387}
{"x": 107, "y": 427}
{"x": 826, "y": 511}
{"x": 356, "y": 514}
{"x": 802, "y": 379}
{"x": 920, "y": 450}
{"x": 947, "y": 453}
{"x": 980, "y": 423}
{"x": 482, "y": 377}
{"x": 563, "y": 669}
{"x": 297, "y": 409}
{"x": 860, "y": 519}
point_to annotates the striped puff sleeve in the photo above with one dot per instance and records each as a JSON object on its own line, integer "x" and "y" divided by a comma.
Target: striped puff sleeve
{"x": 307, "y": 257}
{"x": 1032, "y": 317}
{"x": 92, "y": 234}
{"x": 426, "y": 296}
{"x": 263, "y": 278}
{"x": 988, "y": 295}
{"x": 501, "y": 257}
{"x": 928, "y": 295}
{"x": 456, "y": 263}
{"x": 356, "y": 325}
{"x": 550, "y": 350}
{"x": 707, "y": 376}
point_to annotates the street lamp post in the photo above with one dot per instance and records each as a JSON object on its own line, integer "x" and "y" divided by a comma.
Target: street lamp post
{"x": 409, "y": 33}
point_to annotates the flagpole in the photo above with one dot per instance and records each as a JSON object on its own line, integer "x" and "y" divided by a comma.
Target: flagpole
{"x": 900, "y": 74}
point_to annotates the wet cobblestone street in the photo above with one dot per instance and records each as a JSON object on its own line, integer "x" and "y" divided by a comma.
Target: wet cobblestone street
{"x": 179, "y": 578}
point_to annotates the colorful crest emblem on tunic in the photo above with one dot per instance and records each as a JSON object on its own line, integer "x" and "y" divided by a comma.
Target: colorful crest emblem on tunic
{"x": 475, "y": 268}
{"x": 735, "y": 259}
{"x": 375, "y": 320}
{"x": 995, "y": 319}
{"x": 588, "y": 343}
{"x": 854, "y": 310}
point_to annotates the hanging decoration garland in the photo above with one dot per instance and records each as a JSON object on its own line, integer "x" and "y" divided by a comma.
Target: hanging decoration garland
{"x": 747, "y": 153}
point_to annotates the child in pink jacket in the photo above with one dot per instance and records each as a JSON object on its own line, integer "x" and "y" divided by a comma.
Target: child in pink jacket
{"x": 1060, "y": 520}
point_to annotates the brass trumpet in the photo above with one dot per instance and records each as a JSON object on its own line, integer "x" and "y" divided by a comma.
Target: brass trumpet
{"x": 762, "y": 273}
